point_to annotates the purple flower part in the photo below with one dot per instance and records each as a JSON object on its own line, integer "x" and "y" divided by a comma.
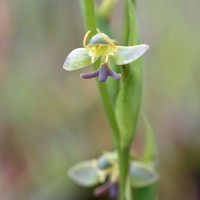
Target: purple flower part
{"x": 109, "y": 187}
{"x": 114, "y": 74}
{"x": 104, "y": 72}
{"x": 90, "y": 75}
{"x": 113, "y": 190}
{"x": 101, "y": 190}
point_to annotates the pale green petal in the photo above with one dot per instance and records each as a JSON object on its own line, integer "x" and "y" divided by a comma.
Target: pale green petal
{"x": 126, "y": 55}
{"x": 85, "y": 173}
{"x": 77, "y": 59}
{"x": 142, "y": 175}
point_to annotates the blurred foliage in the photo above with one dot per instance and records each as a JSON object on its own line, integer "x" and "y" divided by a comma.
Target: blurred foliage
{"x": 50, "y": 119}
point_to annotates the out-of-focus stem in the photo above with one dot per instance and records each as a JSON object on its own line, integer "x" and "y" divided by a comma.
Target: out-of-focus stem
{"x": 123, "y": 155}
{"x": 106, "y": 8}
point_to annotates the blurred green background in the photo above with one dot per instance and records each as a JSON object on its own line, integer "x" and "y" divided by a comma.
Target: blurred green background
{"x": 51, "y": 118}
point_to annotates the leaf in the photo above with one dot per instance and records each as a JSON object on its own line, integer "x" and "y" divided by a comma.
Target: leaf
{"x": 149, "y": 157}
{"x": 150, "y": 151}
{"x": 77, "y": 59}
{"x": 130, "y": 34}
{"x": 128, "y": 103}
{"x": 133, "y": 31}
{"x": 142, "y": 175}
{"x": 85, "y": 173}
{"x": 125, "y": 55}
{"x": 146, "y": 193}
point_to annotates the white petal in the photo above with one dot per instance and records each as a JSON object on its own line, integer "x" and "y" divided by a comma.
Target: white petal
{"x": 85, "y": 173}
{"x": 142, "y": 174}
{"x": 77, "y": 59}
{"x": 126, "y": 55}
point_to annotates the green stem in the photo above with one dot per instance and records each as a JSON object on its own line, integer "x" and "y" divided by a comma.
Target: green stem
{"x": 129, "y": 193}
{"x": 109, "y": 111}
{"x": 134, "y": 2}
{"x": 90, "y": 20}
{"x": 123, "y": 153}
{"x": 107, "y": 103}
{"x": 106, "y": 8}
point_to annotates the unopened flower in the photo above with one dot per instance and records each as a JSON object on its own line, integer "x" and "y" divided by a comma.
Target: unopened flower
{"x": 101, "y": 46}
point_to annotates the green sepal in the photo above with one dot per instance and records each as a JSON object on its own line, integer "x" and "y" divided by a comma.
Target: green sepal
{"x": 142, "y": 175}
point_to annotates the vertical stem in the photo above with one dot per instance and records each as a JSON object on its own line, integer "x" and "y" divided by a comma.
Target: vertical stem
{"x": 123, "y": 152}
{"x": 129, "y": 193}
{"x": 90, "y": 21}
{"x": 134, "y": 2}
{"x": 91, "y": 25}
{"x": 123, "y": 155}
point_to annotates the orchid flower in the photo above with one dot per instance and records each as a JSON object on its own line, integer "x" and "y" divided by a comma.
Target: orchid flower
{"x": 101, "y": 46}
{"x": 105, "y": 171}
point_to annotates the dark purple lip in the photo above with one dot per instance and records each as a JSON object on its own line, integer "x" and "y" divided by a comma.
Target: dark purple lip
{"x": 108, "y": 187}
{"x": 102, "y": 73}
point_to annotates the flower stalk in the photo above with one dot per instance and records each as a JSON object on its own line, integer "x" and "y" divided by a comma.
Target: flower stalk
{"x": 121, "y": 172}
{"x": 91, "y": 25}
{"x": 103, "y": 90}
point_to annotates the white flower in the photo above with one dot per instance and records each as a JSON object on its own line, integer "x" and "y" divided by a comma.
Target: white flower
{"x": 102, "y": 46}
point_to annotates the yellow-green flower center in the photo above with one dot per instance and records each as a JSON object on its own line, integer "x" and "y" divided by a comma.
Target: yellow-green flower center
{"x": 103, "y": 50}
{"x": 101, "y": 45}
